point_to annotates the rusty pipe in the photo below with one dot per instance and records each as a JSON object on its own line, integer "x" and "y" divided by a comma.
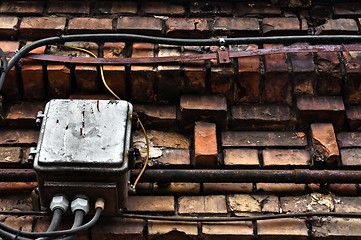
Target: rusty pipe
{"x": 218, "y": 175}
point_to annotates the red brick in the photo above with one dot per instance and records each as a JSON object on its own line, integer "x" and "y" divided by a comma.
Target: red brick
{"x": 8, "y": 26}
{"x": 263, "y": 139}
{"x": 172, "y": 230}
{"x": 244, "y": 203}
{"x": 286, "y": 228}
{"x": 173, "y": 157}
{"x": 260, "y": 117}
{"x": 211, "y": 8}
{"x": 118, "y": 228}
{"x": 22, "y": 114}
{"x": 293, "y": 4}
{"x": 281, "y": 188}
{"x": 321, "y": 11}
{"x": 202, "y": 204}
{"x": 22, "y": 7}
{"x": 41, "y": 27}
{"x": 10, "y": 89}
{"x": 227, "y": 231}
{"x": 140, "y": 25}
{"x": 338, "y": 26}
{"x": 86, "y": 78}
{"x": 10, "y": 156}
{"x": 162, "y": 8}
{"x": 90, "y": 25}
{"x": 177, "y": 189}
{"x": 343, "y": 189}
{"x": 275, "y": 62}
{"x": 20, "y": 202}
{"x": 353, "y": 114}
{"x": 194, "y": 80}
{"x": 221, "y": 80}
{"x": 336, "y": 228}
{"x": 151, "y": 204}
{"x": 190, "y": 27}
{"x": 352, "y": 87}
{"x": 23, "y": 223}
{"x": 281, "y": 26}
{"x": 59, "y": 81}
{"x": 329, "y": 73}
{"x": 33, "y": 82}
{"x": 349, "y": 139}
{"x": 14, "y": 188}
{"x": 169, "y": 82}
{"x": 320, "y": 109}
{"x": 18, "y": 137}
{"x": 236, "y": 26}
{"x": 240, "y": 157}
{"x": 158, "y": 116}
{"x": 205, "y": 145}
{"x": 349, "y": 9}
{"x": 257, "y": 9}
{"x": 65, "y": 7}
{"x": 325, "y": 148}
{"x": 285, "y": 158}
{"x": 226, "y": 188}
{"x": 212, "y": 108}
{"x": 124, "y": 7}
{"x": 315, "y": 202}
{"x": 351, "y": 157}
{"x": 347, "y": 204}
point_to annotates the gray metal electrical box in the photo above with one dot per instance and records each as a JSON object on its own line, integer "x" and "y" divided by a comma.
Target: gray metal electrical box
{"x": 83, "y": 149}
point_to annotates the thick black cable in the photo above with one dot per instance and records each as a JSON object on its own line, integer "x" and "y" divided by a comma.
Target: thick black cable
{"x": 119, "y": 37}
{"x": 8, "y": 236}
{"x": 34, "y": 235}
{"x": 78, "y": 221}
{"x": 55, "y": 221}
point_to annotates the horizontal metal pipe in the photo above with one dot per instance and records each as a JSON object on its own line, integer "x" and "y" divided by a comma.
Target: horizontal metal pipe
{"x": 218, "y": 175}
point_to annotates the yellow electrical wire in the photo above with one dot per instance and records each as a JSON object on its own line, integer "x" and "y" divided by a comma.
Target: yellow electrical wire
{"x": 117, "y": 97}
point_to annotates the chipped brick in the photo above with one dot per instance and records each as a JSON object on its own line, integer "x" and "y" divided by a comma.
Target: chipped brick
{"x": 329, "y": 79}
{"x": 236, "y": 26}
{"x": 191, "y": 27}
{"x": 150, "y": 204}
{"x": 338, "y": 26}
{"x": 202, "y": 204}
{"x": 336, "y": 228}
{"x": 22, "y": 114}
{"x": 174, "y": 157}
{"x": 253, "y": 203}
{"x": 205, "y": 145}
{"x": 169, "y": 139}
{"x": 158, "y": 116}
{"x": 240, "y": 157}
{"x": 315, "y": 202}
{"x": 18, "y": 137}
{"x": 8, "y": 26}
{"x": 263, "y": 139}
{"x": 10, "y": 156}
{"x": 140, "y": 25}
{"x": 227, "y": 230}
{"x": 211, "y": 8}
{"x": 41, "y": 27}
{"x": 292, "y": 157}
{"x": 324, "y": 144}
{"x": 281, "y": 26}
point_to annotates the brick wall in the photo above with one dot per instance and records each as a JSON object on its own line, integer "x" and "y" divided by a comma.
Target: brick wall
{"x": 281, "y": 111}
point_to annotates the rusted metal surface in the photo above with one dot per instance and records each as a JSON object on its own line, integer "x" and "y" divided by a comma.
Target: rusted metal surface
{"x": 194, "y": 57}
{"x": 218, "y": 175}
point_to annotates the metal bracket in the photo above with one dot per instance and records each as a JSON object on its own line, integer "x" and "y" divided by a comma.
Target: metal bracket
{"x": 222, "y": 43}
{"x": 39, "y": 118}
{"x": 223, "y": 57}
{"x": 32, "y": 153}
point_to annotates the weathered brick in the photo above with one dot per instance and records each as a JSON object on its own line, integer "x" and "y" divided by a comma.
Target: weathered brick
{"x": 11, "y": 156}
{"x": 41, "y": 27}
{"x": 59, "y": 81}
{"x": 124, "y": 7}
{"x": 221, "y": 81}
{"x": 151, "y": 204}
{"x": 257, "y": 9}
{"x": 281, "y": 26}
{"x": 226, "y": 188}
{"x": 16, "y": 202}
{"x": 65, "y": 7}
{"x": 291, "y": 157}
{"x": 320, "y": 109}
{"x": 205, "y": 145}
{"x": 140, "y": 25}
{"x": 169, "y": 139}
{"x": 349, "y": 139}
{"x": 352, "y": 87}
{"x": 10, "y": 89}
{"x": 162, "y": 8}
{"x": 329, "y": 79}
{"x": 239, "y": 203}
{"x": 89, "y": 25}
{"x": 349, "y": 9}
{"x": 260, "y": 117}
{"x": 118, "y": 228}
{"x": 287, "y": 228}
{"x": 173, "y": 157}
{"x": 18, "y": 137}
{"x": 191, "y": 27}
{"x": 227, "y": 231}
{"x": 210, "y": 8}
{"x": 22, "y": 114}
{"x": 202, "y": 204}
{"x": 211, "y": 108}
{"x": 23, "y": 223}
{"x": 351, "y": 157}
{"x": 277, "y": 84}
{"x": 236, "y": 26}
{"x": 240, "y": 157}
{"x": 336, "y": 228}
{"x": 263, "y": 139}
{"x": 177, "y": 188}
{"x": 347, "y": 204}
{"x": 172, "y": 230}
{"x": 86, "y": 78}
{"x": 8, "y": 26}
{"x": 324, "y": 145}
{"x": 91, "y": 96}
{"x": 338, "y": 26}
{"x": 281, "y": 188}
{"x": 321, "y": 12}
{"x": 194, "y": 80}
{"x": 343, "y": 189}
{"x": 158, "y": 116}
{"x": 22, "y": 7}
{"x": 315, "y": 202}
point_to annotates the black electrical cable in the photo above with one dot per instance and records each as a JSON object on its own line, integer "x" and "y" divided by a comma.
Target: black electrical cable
{"x": 78, "y": 221}
{"x": 34, "y": 235}
{"x": 119, "y": 37}
{"x": 55, "y": 221}
{"x": 8, "y": 236}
